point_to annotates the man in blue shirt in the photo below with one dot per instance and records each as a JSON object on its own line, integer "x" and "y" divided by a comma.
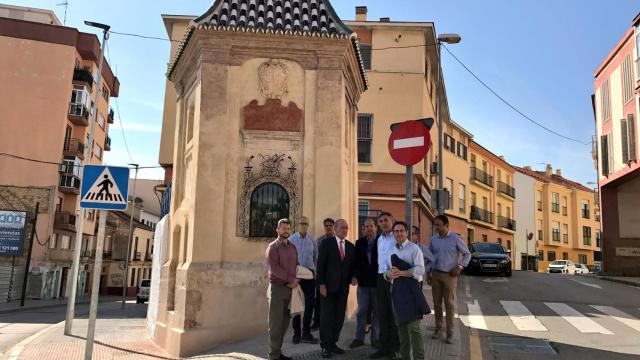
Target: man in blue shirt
{"x": 446, "y": 247}
{"x": 388, "y": 343}
{"x": 426, "y": 254}
{"x": 307, "y": 257}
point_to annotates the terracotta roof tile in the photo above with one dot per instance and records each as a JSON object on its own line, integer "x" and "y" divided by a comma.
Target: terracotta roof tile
{"x": 542, "y": 176}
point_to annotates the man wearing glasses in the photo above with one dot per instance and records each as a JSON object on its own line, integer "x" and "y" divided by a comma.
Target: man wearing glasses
{"x": 328, "y": 233}
{"x": 307, "y": 257}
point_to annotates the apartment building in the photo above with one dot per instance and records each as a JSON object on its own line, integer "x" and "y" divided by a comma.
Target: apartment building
{"x": 456, "y": 153}
{"x": 566, "y": 219}
{"x": 491, "y": 197}
{"x": 403, "y": 76}
{"x": 46, "y": 101}
{"x": 615, "y": 105}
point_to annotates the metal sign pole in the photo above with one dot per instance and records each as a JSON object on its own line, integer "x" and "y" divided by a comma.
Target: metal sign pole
{"x": 95, "y": 287}
{"x": 73, "y": 276}
{"x": 125, "y": 271}
{"x": 409, "y": 200}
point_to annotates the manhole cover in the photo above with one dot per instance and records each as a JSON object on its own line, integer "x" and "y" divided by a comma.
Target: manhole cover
{"x": 520, "y": 345}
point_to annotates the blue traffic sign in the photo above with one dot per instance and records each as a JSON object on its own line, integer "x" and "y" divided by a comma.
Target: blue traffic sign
{"x": 104, "y": 187}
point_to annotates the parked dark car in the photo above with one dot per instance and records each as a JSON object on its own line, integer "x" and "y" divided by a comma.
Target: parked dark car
{"x": 488, "y": 258}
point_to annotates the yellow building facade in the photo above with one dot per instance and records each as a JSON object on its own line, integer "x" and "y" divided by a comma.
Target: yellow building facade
{"x": 566, "y": 217}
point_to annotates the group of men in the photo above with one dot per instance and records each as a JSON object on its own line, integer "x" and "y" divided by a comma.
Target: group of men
{"x": 388, "y": 269}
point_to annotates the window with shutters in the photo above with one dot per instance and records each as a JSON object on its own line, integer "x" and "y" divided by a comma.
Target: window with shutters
{"x": 449, "y": 143}
{"x": 551, "y": 255}
{"x": 627, "y": 139}
{"x": 627, "y": 79}
{"x": 605, "y": 102}
{"x": 586, "y": 235}
{"x": 365, "y": 137}
{"x": 605, "y": 167}
{"x": 365, "y": 51}
{"x": 631, "y": 138}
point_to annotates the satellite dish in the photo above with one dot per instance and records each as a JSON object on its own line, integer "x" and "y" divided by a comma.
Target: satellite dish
{"x": 530, "y": 236}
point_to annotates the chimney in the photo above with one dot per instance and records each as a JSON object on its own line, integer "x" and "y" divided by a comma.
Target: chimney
{"x": 549, "y": 170}
{"x": 361, "y": 13}
{"x": 558, "y": 172}
{"x": 385, "y": 19}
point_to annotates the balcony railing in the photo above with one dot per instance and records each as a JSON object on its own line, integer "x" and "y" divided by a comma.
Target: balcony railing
{"x": 539, "y": 205}
{"x": 106, "y": 255}
{"x": 564, "y": 210}
{"x": 556, "y": 235}
{"x": 78, "y": 114}
{"x": 69, "y": 183}
{"x": 506, "y": 189}
{"x": 481, "y": 215}
{"x": 107, "y": 144}
{"x": 506, "y": 223}
{"x": 555, "y": 207}
{"x": 137, "y": 256}
{"x": 481, "y": 176}
{"x": 565, "y": 238}
{"x": 149, "y": 257}
{"x": 540, "y": 237}
{"x": 65, "y": 220}
{"x": 586, "y": 214}
{"x": 83, "y": 75}
{"x": 111, "y": 116}
{"x": 74, "y": 147}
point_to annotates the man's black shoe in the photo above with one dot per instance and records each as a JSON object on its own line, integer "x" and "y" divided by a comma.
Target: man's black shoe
{"x": 356, "y": 343}
{"x": 315, "y": 327}
{"x": 282, "y": 357}
{"x": 379, "y": 354}
{"x": 309, "y": 339}
{"x": 326, "y": 353}
{"x": 296, "y": 339}
{"x": 336, "y": 350}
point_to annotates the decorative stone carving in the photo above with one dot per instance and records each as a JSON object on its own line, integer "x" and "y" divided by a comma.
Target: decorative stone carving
{"x": 272, "y": 76}
{"x": 270, "y": 170}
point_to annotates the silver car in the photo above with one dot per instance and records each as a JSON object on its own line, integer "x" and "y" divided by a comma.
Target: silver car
{"x": 581, "y": 269}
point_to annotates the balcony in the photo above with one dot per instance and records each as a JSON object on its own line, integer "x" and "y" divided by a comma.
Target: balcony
{"x": 555, "y": 207}
{"x": 106, "y": 255}
{"x": 565, "y": 238}
{"x": 111, "y": 116}
{"x": 506, "y": 189}
{"x": 586, "y": 214}
{"x": 540, "y": 237}
{"x": 83, "y": 76}
{"x": 61, "y": 255}
{"x": 556, "y": 235}
{"x": 506, "y": 223}
{"x": 539, "y": 205}
{"x": 149, "y": 257}
{"x": 78, "y": 114}
{"x": 69, "y": 183}
{"x": 107, "y": 143}
{"x": 564, "y": 211}
{"x": 137, "y": 256}
{"x": 481, "y": 177}
{"x": 74, "y": 147}
{"x": 481, "y": 215}
{"x": 65, "y": 220}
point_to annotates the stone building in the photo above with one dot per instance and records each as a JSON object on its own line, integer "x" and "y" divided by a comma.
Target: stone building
{"x": 264, "y": 128}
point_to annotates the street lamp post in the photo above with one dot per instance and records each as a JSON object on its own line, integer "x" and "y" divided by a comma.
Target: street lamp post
{"x": 73, "y": 277}
{"x": 125, "y": 271}
{"x": 449, "y": 39}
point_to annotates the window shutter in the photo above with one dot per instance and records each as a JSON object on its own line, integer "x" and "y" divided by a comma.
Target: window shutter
{"x": 365, "y": 51}
{"x": 624, "y": 140}
{"x": 631, "y": 126}
{"x": 604, "y": 155}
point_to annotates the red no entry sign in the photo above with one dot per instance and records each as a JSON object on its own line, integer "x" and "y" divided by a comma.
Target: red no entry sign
{"x": 409, "y": 142}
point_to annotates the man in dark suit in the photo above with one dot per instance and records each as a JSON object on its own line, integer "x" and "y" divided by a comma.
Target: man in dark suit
{"x": 334, "y": 273}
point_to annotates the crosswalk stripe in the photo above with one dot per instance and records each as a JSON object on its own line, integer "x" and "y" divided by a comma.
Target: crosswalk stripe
{"x": 577, "y": 320}
{"x": 476, "y": 319}
{"x": 521, "y": 316}
{"x": 621, "y": 316}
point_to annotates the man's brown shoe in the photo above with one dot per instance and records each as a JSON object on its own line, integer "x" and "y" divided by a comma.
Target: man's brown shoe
{"x": 437, "y": 334}
{"x": 449, "y": 339}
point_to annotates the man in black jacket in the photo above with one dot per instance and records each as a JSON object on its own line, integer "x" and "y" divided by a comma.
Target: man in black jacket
{"x": 334, "y": 273}
{"x": 366, "y": 272}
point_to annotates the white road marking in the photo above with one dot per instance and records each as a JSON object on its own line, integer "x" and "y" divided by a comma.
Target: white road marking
{"x": 521, "y": 316}
{"x": 621, "y": 316}
{"x": 577, "y": 320}
{"x": 476, "y": 319}
{"x": 408, "y": 142}
{"x": 587, "y": 284}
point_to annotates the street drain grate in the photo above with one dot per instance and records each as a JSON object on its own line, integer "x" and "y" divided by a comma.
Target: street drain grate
{"x": 520, "y": 345}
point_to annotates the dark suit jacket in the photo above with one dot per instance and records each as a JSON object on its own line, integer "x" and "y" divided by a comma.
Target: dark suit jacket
{"x": 366, "y": 272}
{"x": 409, "y": 303}
{"x": 333, "y": 272}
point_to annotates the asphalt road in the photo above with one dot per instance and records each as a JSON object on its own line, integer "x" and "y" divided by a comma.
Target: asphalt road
{"x": 18, "y": 325}
{"x": 548, "y": 316}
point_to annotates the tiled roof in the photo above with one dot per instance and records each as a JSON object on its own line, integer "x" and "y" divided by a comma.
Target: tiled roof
{"x": 300, "y": 17}
{"x": 542, "y": 176}
{"x": 314, "y": 18}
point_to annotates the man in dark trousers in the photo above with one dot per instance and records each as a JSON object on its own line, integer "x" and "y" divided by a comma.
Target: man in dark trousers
{"x": 388, "y": 344}
{"x": 335, "y": 273}
{"x": 366, "y": 272}
{"x": 328, "y": 232}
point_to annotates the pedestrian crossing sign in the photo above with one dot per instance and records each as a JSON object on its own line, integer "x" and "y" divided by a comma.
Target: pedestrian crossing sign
{"x": 104, "y": 187}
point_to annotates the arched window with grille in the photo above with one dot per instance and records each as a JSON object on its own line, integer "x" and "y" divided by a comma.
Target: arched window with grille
{"x": 269, "y": 203}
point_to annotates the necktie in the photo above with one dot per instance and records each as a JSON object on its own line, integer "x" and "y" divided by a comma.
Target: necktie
{"x": 341, "y": 249}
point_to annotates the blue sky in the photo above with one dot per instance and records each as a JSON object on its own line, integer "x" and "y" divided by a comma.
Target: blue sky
{"x": 538, "y": 54}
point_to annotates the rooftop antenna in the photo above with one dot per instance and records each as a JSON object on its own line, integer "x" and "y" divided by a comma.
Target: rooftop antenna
{"x": 66, "y": 5}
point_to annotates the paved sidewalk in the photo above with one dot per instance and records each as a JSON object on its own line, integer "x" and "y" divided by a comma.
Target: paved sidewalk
{"x": 627, "y": 280}
{"x": 123, "y": 336}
